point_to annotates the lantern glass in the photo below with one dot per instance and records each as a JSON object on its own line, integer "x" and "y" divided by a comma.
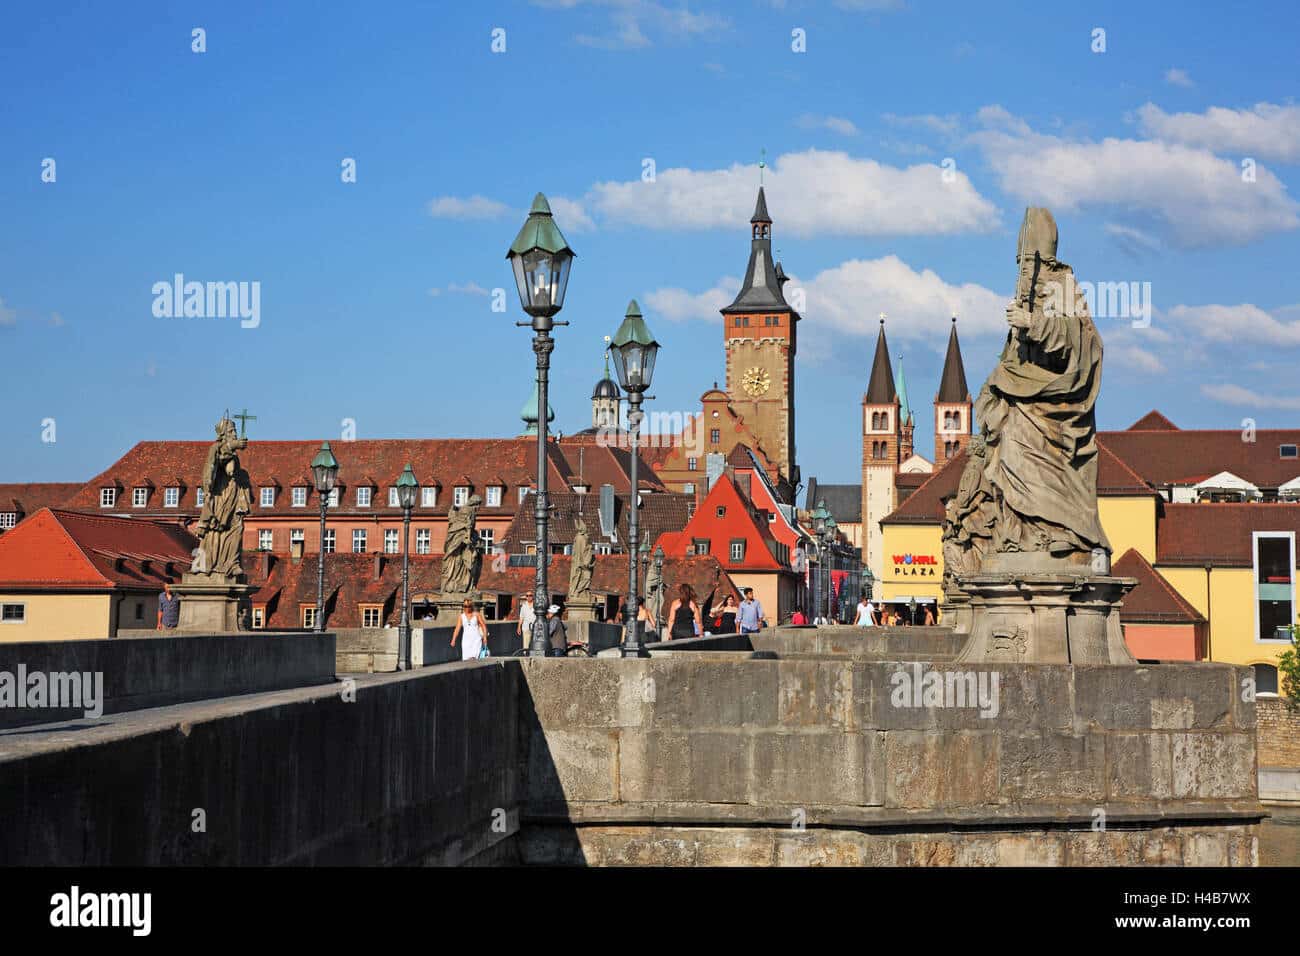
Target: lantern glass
{"x": 407, "y": 487}
{"x": 324, "y": 469}
{"x": 542, "y": 278}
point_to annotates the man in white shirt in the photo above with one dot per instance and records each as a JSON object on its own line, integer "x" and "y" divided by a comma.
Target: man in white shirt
{"x": 866, "y": 614}
{"x": 527, "y": 617}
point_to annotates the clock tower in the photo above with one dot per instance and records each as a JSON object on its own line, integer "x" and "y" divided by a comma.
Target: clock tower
{"x": 759, "y": 334}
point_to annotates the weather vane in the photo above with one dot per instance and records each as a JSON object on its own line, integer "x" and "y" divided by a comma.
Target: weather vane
{"x": 762, "y": 164}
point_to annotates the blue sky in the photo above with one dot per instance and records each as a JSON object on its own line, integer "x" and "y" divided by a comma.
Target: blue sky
{"x": 376, "y": 295}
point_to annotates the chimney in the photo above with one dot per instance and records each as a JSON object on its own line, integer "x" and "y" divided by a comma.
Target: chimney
{"x": 295, "y": 552}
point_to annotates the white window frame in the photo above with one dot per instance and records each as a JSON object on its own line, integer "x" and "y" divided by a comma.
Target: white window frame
{"x": 330, "y": 543}
{"x": 392, "y": 498}
{"x": 259, "y": 618}
{"x": 309, "y": 616}
{"x": 22, "y": 612}
{"x": 423, "y": 541}
{"x": 493, "y": 496}
{"x": 364, "y": 496}
{"x": 139, "y": 497}
{"x": 172, "y": 497}
{"x": 334, "y": 498}
{"x": 8, "y": 519}
{"x": 359, "y": 536}
{"x": 390, "y": 538}
{"x": 460, "y": 496}
{"x": 297, "y": 536}
{"x": 266, "y": 497}
{"x": 487, "y": 538}
{"x": 429, "y": 496}
{"x": 737, "y": 546}
{"x": 198, "y": 497}
{"x": 107, "y": 497}
{"x": 1254, "y": 566}
{"x": 265, "y": 539}
{"x": 298, "y": 497}
{"x": 377, "y": 619}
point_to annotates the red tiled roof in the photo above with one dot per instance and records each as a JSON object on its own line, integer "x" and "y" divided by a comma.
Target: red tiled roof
{"x": 29, "y": 498}
{"x": 1154, "y": 600}
{"x": 737, "y": 522}
{"x": 1219, "y": 533}
{"x": 1164, "y": 457}
{"x": 1153, "y": 421}
{"x": 56, "y": 550}
{"x": 659, "y": 512}
{"x": 378, "y": 462}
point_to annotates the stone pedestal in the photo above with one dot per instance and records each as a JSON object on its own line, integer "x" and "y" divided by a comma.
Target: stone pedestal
{"x": 447, "y": 607}
{"x": 1030, "y": 610}
{"x": 581, "y": 610}
{"x": 955, "y": 612}
{"x": 211, "y": 603}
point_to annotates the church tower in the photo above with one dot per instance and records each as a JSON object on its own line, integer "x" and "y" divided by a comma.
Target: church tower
{"x": 952, "y": 406}
{"x": 606, "y": 402}
{"x": 759, "y": 335}
{"x": 882, "y": 435}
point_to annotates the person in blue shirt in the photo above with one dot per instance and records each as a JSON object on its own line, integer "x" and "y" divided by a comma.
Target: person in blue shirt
{"x": 169, "y": 609}
{"x": 750, "y": 616}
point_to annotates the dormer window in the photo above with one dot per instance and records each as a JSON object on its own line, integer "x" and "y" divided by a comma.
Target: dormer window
{"x": 392, "y": 498}
{"x": 107, "y": 497}
{"x": 171, "y": 497}
{"x": 363, "y": 497}
{"x": 428, "y": 497}
{"x": 460, "y": 495}
{"x": 299, "y": 497}
{"x": 267, "y": 499}
{"x": 139, "y": 497}
{"x": 1286, "y": 451}
{"x": 494, "y": 496}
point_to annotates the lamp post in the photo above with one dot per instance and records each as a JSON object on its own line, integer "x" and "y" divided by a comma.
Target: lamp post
{"x": 832, "y": 538}
{"x": 325, "y": 472}
{"x": 407, "y": 487}
{"x": 819, "y": 517}
{"x": 541, "y": 259}
{"x": 635, "y": 351}
{"x": 659, "y": 573}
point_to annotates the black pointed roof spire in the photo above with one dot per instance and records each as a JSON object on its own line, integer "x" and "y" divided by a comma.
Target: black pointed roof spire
{"x": 761, "y": 290}
{"x": 760, "y": 208}
{"x": 952, "y": 384}
{"x": 880, "y": 389}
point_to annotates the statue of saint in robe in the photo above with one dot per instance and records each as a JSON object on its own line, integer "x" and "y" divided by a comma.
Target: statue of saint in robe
{"x": 581, "y": 564}
{"x": 1037, "y": 411}
{"x": 227, "y": 497}
{"x": 461, "y": 554}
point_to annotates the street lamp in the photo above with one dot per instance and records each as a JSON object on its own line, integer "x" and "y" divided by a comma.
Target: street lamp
{"x": 659, "y": 573}
{"x": 406, "y": 486}
{"x": 832, "y": 538}
{"x": 635, "y": 351}
{"x": 819, "y": 517}
{"x": 541, "y": 259}
{"x": 325, "y": 472}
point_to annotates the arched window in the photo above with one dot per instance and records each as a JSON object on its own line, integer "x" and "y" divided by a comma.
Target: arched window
{"x": 1265, "y": 679}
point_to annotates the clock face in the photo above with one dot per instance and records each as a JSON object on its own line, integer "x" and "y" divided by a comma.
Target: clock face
{"x": 756, "y": 381}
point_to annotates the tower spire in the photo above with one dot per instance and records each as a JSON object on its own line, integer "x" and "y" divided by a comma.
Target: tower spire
{"x": 952, "y": 383}
{"x": 880, "y": 387}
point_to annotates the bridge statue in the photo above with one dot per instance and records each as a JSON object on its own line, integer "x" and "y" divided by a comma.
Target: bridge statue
{"x": 227, "y": 497}
{"x": 462, "y": 553}
{"x": 581, "y": 565}
{"x": 1023, "y": 532}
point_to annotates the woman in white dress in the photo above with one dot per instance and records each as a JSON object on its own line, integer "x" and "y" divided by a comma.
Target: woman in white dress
{"x": 475, "y": 628}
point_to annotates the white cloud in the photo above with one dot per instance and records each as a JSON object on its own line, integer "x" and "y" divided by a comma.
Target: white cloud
{"x": 8, "y": 316}
{"x": 836, "y": 124}
{"x": 678, "y": 305}
{"x": 846, "y": 300}
{"x": 1266, "y": 130}
{"x": 1238, "y": 324}
{"x": 632, "y": 21}
{"x": 1230, "y": 394}
{"x": 1199, "y": 198}
{"x": 1135, "y": 357}
{"x": 570, "y": 215}
{"x": 815, "y": 192}
{"x": 472, "y": 207}
{"x": 1177, "y": 77}
{"x": 943, "y": 125}
{"x": 467, "y": 288}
